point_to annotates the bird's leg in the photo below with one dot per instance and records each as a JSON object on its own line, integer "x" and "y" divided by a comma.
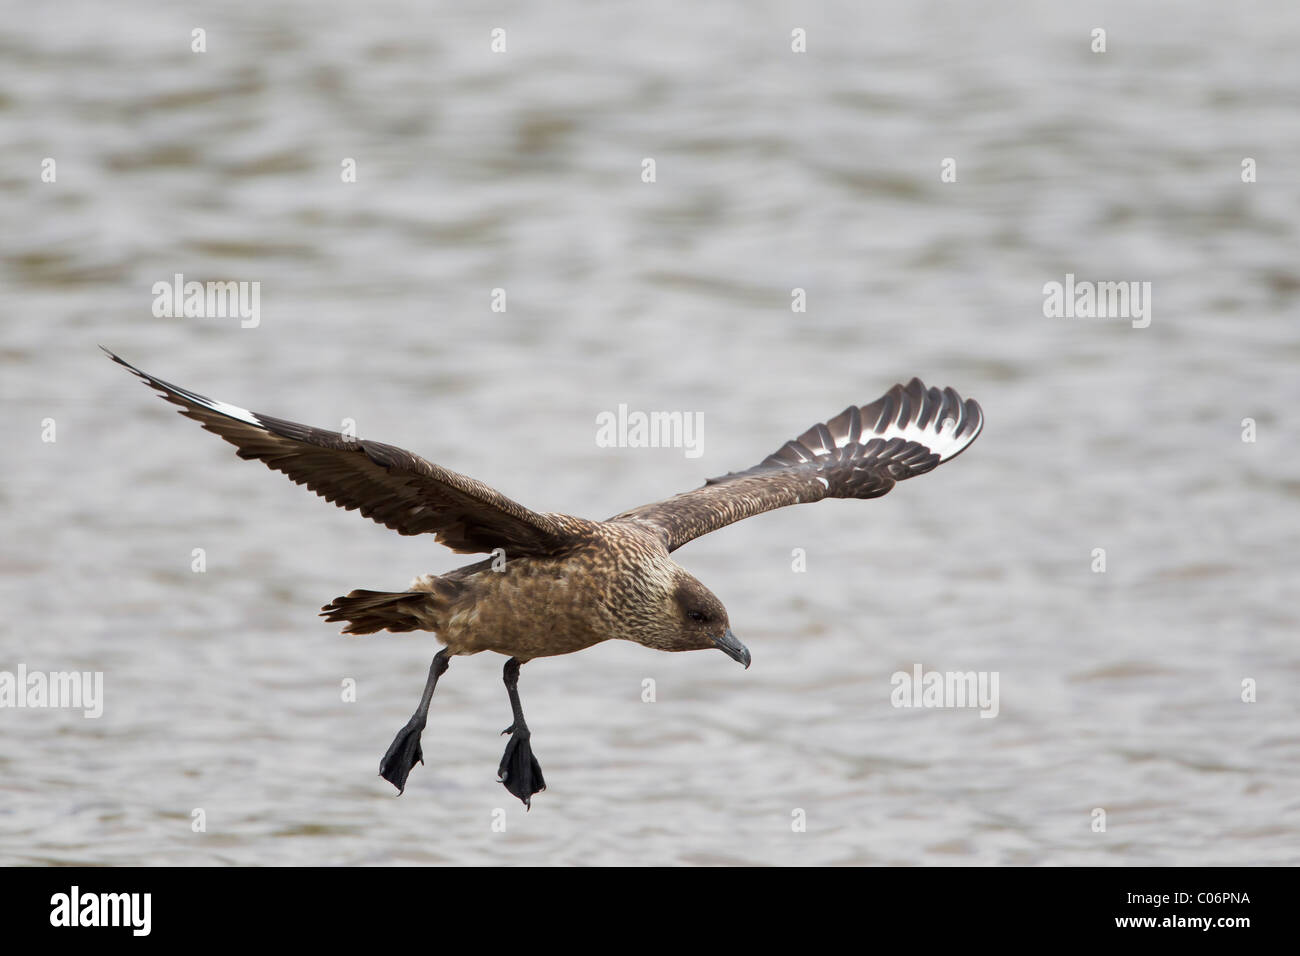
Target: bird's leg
{"x": 405, "y": 750}
{"x": 519, "y": 770}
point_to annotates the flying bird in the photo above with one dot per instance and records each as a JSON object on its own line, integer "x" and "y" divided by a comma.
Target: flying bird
{"x": 567, "y": 583}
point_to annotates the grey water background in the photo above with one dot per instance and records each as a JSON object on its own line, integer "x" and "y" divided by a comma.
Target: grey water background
{"x": 775, "y": 171}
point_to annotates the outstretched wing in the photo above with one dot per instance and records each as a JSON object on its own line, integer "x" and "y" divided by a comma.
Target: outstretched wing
{"x": 859, "y": 453}
{"x": 386, "y": 484}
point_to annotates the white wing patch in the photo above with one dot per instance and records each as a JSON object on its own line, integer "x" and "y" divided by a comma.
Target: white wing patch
{"x": 950, "y": 424}
{"x": 233, "y": 411}
{"x": 940, "y": 436}
{"x": 221, "y": 408}
{"x": 911, "y": 429}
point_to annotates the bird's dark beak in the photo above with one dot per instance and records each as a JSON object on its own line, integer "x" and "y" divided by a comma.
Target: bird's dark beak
{"x": 730, "y": 646}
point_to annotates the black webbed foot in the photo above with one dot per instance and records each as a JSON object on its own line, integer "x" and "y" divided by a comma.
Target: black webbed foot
{"x": 404, "y": 751}
{"x": 402, "y": 755}
{"x": 519, "y": 771}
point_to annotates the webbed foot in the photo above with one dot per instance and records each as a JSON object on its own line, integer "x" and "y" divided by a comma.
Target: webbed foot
{"x": 403, "y": 753}
{"x": 520, "y": 772}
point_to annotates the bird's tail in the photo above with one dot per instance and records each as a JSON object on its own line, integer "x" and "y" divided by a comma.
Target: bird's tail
{"x": 426, "y": 606}
{"x": 369, "y": 611}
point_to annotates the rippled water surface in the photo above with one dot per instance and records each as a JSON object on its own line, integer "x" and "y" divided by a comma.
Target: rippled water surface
{"x": 774, "y": 171}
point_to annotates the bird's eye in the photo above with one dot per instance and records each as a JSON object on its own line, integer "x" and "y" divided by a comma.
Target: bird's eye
{"x": 696, "y": 616}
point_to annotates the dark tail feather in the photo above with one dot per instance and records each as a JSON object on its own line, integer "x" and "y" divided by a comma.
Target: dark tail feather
{"x": 369, "y": 611}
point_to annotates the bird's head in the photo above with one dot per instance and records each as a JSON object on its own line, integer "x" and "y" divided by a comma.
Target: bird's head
{"x": 699, "y": 621}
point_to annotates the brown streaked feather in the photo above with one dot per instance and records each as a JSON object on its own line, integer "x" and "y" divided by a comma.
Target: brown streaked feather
{"x": 387, "y": 484}
{"x": 369, "y": 611}
{"x": 860, "y": 453}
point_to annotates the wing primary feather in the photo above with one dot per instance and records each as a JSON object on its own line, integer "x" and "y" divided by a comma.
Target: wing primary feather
{"x": 387, "y": 484}
{"x": 860, "y": 453}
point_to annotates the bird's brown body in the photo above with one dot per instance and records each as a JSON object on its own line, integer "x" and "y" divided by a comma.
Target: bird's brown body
{"x": 533, "y": 607}
{"x": 555, "y": 583}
